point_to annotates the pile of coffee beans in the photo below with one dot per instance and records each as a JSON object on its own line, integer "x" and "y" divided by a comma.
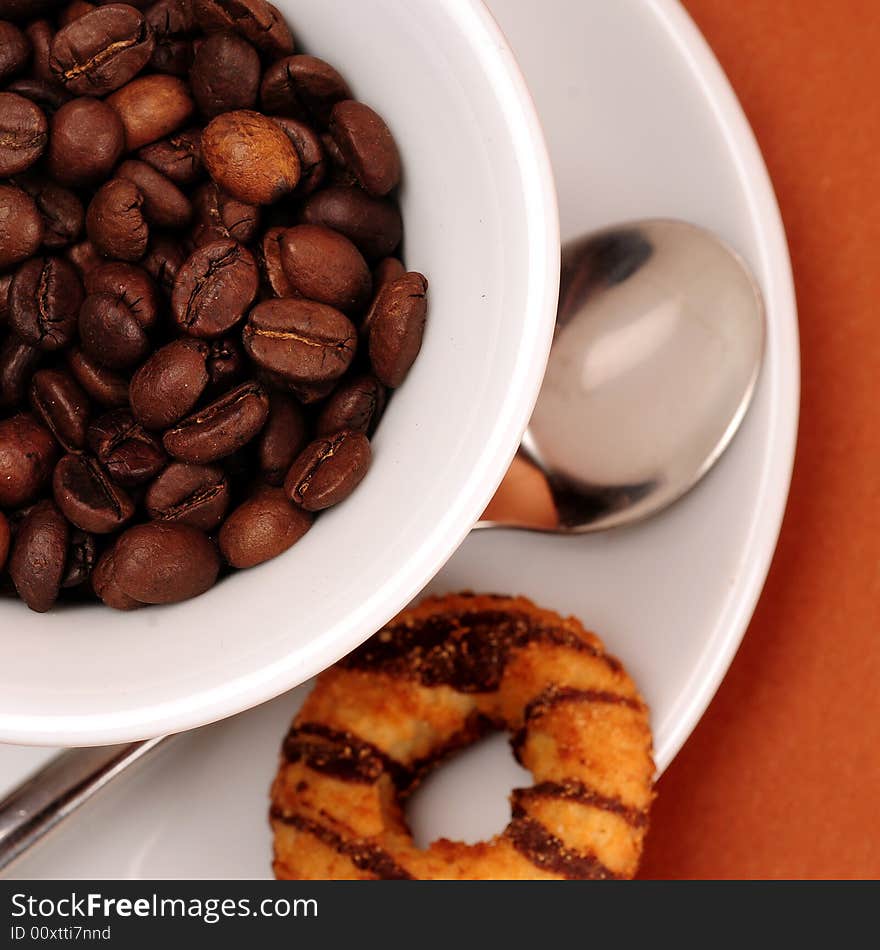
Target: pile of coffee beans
{"x": 202, "y": 304}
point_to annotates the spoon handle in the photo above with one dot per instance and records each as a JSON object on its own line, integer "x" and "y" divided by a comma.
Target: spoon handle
{"x": 55, "y": 791}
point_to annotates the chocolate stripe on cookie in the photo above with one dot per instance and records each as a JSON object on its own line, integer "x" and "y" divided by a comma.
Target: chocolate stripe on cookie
{"x": 547, "y": 852}
{"x": 342, "y": 755}
{"x": 363, "y": 855}
{"x": 574, "y": 791}
{"x": 467, "y": 651}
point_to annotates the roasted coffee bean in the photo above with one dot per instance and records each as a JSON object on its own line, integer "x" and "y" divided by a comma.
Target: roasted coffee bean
{"x": 18, "y": 360}
{"x": 24, "y": 133}
{"x": 44, "y": 301}
{"x": 102, "y": 385}
{"x": 310, "y": 393}
{"x": 256, "y": 20}
{"x": 356, "y": 405}
{"x": 158, "y": 563}
{"x": 39, "y": 555}
{"x": 110, "y": 333}
{"x": 62, "y": 405}
{"x": 261, "y": 528}
{"x": 307, "y": 143}
{"x": 178, "y": 157}
{"x": 304, "y": 87}
{"x": 48, "y": 96}
{"x": 304, "y": 341}
{"x": 220, "y": 217}
{"x": 27, "y": 454}
{"x": 220, "y": 428}
{"x": 128, "y": 453}
{"x": 82, "y": 554}
{"x": 214, "y": 289}
{"x": 5, "y": 540}
{"x": 197, "y": 495}
{"x": 225, "y": 74}
{"x": 388, "y": 269}
{"x": 328, "y": 470}
{"x": 367, "y": 145}
{"x": 61, "y": 210}
{"x": 169, "y": 384}
{"x": 115, "y": 221}
{"x": 284, "y": 436}
{"x": 323, "y": 265}
{"x": 15, "y": 50}
{"x": 151, "y": 108}
{"x": 5, "y": 285}
{"x": 87, "y": 140}
{"x": 172, "y": 22}
{"x": 165, "y": 257}
{"x": 131, "y": 284}
{"x": 104, "y": 584}
{"x": 250, "y": 157}
{"x": 165, "y": 205}
{"x": 397, "y": 324}
{"x": 84, "y": 257}
{"x": 273, "y": 269}
{"x": 102, "y": 50}
{"x": 87, "y": 497}
{"x": 137, "y": 4}
{"x": 40, "y": 34}
{"x": 21, "y": 226}
{"x": 173, "y": 56}
{"x": 73, "y": 11}
{"x": 373, "y": 225}
{"x": 226, "y": 364}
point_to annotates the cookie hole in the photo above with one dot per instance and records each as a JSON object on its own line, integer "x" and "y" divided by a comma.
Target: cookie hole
{"x": 467, "y": 798}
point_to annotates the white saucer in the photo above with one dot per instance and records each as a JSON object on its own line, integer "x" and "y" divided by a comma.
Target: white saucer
{"x": 640, "y": 122}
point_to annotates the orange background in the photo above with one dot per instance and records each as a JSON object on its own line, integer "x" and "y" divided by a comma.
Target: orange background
{"x": 782, "y": 776}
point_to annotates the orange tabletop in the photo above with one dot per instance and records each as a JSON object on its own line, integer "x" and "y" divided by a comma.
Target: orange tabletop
{"x": 781, "y": 779}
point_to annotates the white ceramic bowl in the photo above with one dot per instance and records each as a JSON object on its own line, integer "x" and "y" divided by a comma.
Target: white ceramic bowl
{"x": 481, "y": 221}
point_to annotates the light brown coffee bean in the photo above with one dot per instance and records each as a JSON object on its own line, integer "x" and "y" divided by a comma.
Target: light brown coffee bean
{"x": 151, "y": 108}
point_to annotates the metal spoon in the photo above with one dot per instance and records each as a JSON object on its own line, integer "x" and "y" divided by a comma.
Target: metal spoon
{"x": 659, "y": 341}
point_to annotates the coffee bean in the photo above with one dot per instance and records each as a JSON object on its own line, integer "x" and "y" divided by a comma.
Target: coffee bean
{"x": 220, "y": 428}
{"x": 102, "y": 385}
{"x": 271, "y": 266}
{"x": 323, "y": 265}
{"x": 40, "y": 34}
{"x": 173, "y": 56}
{"x": 115, "y": 221}
{"x": 87, "y": 497}
{"x": 84, "y": 257}
{"x": 82, "y": 554}
{"x": 196, "y": 495}
{"x": 165, "y": 205}
{"x": 165, "y": 257}
{"x": 169, "y": 384}
{"x": 27, "y": 454}
{"x": 261, "y": 528}
{"x": 374, "y": 225}
{"x": 5, "y": 285}
{"x": 306, "y": 342}
{"x": 225, "y": 74}
{"x": 220, "y": 217}
{"x": 15, "y": 50}
{"x": 367, "y": 146}
{"x": 87, "y": 140}
{"x": 304, "y": 87}
{"x": 226, "y": 364}
{"x": 178, "y": 157}
{"x": 18, "y": 360}
{"x": 39, "y": 555}
{"x": 49, "y": 97}
{"x": 131, "y": 284}
{"x": 308, "y": 147}
{"x": 44, "y": 301}
{"x": 256, "y": 20}
{"x": 104, "y": 584}
{"x": 284, "y": 436}
{"x": 310, "y": 393}
{"x": 151, "y": 108}
{"x": 250, "y": 157}
{"x": 110, "y": 333}
{"x": 214, "y": 288}
{"x": 5, "y": 540}
{"x": 397, "y": 324}
{"x": 172, "y": 22}
{"x": 21, "y": 226}
{"x": 128, "y": 453}
{"x": 61, "y": 210}
{"x": 73, "y": 11}
{"x": 356, "y": 405}
{"x": 24, "y": 133}
{"x": 102, "y": 50}
{"x": 388, "y": 269}
{"x": 328, "y": 470}
{"x": 62, "y": 405}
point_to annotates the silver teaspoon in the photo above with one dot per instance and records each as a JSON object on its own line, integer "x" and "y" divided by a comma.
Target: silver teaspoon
{"x": 659, "y": 341}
